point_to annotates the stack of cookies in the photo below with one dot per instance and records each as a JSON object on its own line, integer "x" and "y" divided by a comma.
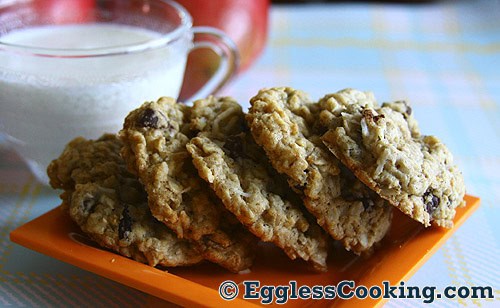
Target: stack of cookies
{"x": 182, "y": 184}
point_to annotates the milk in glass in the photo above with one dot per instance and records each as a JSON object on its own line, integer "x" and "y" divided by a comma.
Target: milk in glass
{"x": 47, "y": 101}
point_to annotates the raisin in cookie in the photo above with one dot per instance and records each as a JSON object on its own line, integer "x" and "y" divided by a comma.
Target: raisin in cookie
{"x": 229, "y": 160}
{"x": 384, "y": 148}
{"x": 155, "y": 137}
{"x": 110, "y": 205}
{"x": 282, "y": 121}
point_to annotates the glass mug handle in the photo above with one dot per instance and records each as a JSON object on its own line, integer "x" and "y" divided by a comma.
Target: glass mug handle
{"x": 217, "y": 41}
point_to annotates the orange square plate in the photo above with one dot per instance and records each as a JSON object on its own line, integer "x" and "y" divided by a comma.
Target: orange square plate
{"x": 406, "y": 247}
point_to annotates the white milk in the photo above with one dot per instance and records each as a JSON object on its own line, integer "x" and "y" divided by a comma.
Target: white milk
{"x": 45, "y": 102}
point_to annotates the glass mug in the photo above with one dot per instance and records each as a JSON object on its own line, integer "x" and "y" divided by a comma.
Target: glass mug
{"x": 76, "y": 68}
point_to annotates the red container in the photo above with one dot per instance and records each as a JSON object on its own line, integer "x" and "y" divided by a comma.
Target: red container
{"x": 246, "y": 22}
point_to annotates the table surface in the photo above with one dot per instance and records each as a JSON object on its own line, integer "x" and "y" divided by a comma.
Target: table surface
{"x": 442, "y": 57}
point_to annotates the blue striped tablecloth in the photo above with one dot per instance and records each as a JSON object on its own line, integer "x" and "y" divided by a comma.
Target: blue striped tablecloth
{"x": 443, "y": 57}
